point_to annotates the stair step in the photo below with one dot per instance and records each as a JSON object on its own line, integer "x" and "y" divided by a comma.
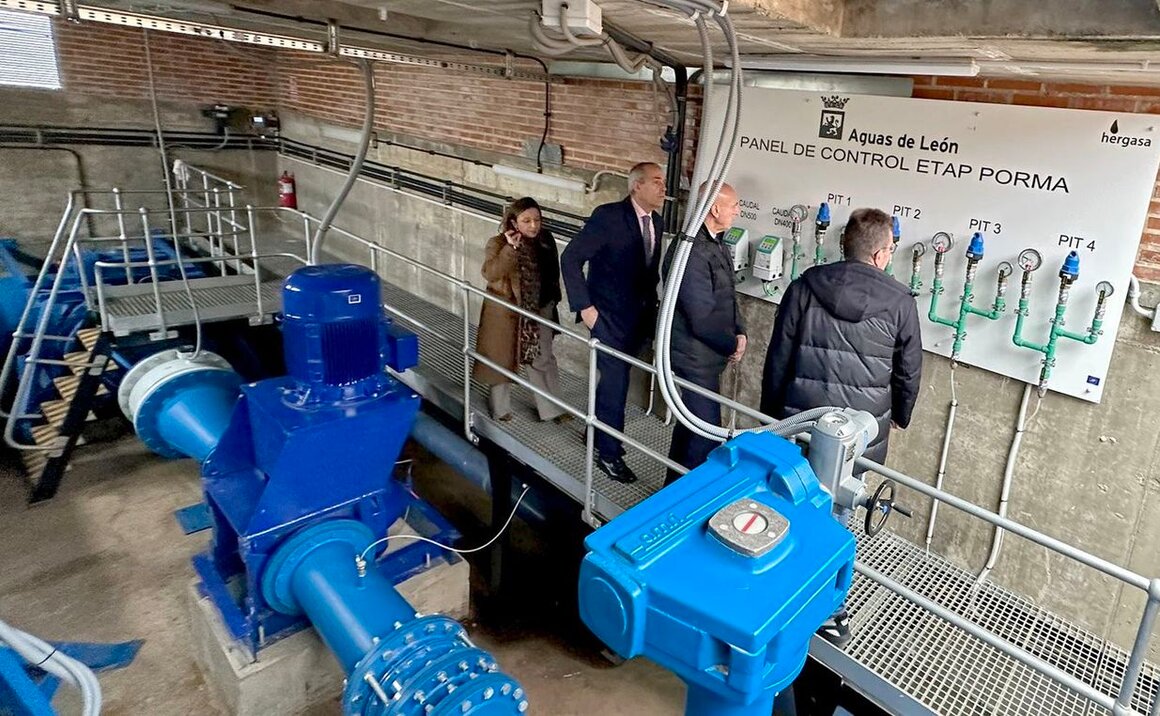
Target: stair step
{"x": 67, "y": 386}
{"x": 34, "y": 461}
{"x": 54, "y": 411}
{"x": 44, "y": 435}
{"x": 88, "y": 337}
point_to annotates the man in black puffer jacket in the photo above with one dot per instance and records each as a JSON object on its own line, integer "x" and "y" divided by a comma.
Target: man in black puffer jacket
{"x": 708, "y": 331}
{"x": 847, "y": 335}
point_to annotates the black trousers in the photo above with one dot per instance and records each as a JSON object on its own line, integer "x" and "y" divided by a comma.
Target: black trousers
{"x": 612, "y": 394}
{"x": 688, "y": 448}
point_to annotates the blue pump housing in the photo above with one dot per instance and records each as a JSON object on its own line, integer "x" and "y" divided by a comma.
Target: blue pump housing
{"x": 660, "y": 582}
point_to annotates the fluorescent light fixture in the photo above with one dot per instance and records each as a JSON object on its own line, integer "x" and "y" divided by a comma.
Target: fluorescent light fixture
{"x": 965, "y": 67}
{"x": 545, "y": 179}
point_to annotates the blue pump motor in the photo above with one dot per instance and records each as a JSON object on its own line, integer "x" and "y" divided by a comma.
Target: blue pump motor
{"x": 724, "y": 576}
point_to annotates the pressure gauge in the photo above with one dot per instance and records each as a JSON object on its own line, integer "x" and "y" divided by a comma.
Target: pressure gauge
{"x": 1105, "y": 289}
{"x": 1005, "y": 269}
{"x": 918, "y": 249}
{"x": 942, "y": 242}
{"x": 798, "y": 213}
{"x": 1030, "y": 260}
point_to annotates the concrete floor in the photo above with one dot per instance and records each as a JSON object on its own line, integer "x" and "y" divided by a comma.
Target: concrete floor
{"x": 106, "y": 561}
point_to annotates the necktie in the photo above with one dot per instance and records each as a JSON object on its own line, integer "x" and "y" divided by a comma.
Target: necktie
{"x": 646, "y": 232}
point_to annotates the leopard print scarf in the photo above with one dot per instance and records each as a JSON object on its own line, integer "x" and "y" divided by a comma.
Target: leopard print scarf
{"x": 528, "y": 347}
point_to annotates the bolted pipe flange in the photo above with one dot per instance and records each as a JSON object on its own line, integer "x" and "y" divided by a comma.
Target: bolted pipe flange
{"x": 429, "y": 666}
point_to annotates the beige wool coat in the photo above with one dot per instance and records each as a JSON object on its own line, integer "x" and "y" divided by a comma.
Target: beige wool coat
{"x": 498, "y": 333}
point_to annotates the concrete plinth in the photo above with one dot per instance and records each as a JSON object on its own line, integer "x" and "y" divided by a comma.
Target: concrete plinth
{"x": 299, "y": 671}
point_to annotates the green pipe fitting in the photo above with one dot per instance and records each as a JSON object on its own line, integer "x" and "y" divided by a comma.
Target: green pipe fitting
{"x": 1057, "y": 331}
{"x": 966, "y": 308}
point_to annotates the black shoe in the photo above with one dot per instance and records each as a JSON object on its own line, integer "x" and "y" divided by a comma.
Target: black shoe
{"x": 836, "y": 629}
{"x": 616, "y": 469}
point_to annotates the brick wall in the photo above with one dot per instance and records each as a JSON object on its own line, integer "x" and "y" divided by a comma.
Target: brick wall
{"x": 1074, "y": 96}
{"x": 600, "y": 124}
{"x": 106, "y": 60}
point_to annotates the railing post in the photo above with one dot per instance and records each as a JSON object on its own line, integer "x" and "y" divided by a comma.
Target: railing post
{"x": 590, "y": 437}
{"x": 467, "y": 431}
{"x": 152, "y": 268}
{"x": 235, "y": 229}
{"x": 1136, "y": 660}
{"x": 254, "y": 259}
{"x": 117, "y": 204}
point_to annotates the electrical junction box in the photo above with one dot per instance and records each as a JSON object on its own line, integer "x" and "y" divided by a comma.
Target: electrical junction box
{"x": 769, "y": 259}
{"x": 737, "y": 242}
{"x": 583, "y": 16}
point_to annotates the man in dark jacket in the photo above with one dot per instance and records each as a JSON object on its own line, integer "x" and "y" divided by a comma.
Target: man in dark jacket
{"x": 847, "y": 335}
{"x": 708, "y": 331}
{"x": 620, "y": 243}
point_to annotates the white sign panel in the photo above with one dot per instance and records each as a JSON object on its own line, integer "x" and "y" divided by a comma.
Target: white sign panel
{"x": 1024, "y": 177}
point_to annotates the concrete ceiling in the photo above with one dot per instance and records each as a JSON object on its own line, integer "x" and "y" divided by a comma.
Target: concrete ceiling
{"x": 1082, "y": 40}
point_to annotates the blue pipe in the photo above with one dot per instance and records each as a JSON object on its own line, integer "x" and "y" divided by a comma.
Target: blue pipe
{"x": 194, "y": 420}
{"x": 349, "y": 612}
{"x": 396, "y": 662}
{"x": 469, "y": 462}
{"x": 700, "y": 701}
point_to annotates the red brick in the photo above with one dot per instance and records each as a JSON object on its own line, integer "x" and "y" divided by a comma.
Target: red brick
{"x": 1017, "y": 85}
{"x": 976, "y": 82}
{"x": 1072, "y": 88}
{"x": 1134, "y": 90}
{"x": 1107, "y": 104}
{"x": 932, "y": 93}
{"x": 965, "y": 95}
{"x": 1035, "y": 100}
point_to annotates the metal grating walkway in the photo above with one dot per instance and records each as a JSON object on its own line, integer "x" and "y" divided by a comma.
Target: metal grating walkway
{"x": 133, "y": 308}
{"x": 902, "y": 656}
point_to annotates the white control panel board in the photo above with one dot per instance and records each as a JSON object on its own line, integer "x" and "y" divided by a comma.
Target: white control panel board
{"x": 1054, "y": 180}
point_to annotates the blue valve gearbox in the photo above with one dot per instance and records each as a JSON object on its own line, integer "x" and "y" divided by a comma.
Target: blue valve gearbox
{"x": 724, "y": 576}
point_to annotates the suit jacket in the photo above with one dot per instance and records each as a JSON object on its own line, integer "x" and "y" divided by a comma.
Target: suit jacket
{"x": 708, "y": 319}
{"x": 621, "y": 284}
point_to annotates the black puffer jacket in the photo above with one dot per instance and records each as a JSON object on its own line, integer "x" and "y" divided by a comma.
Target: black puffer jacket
{"x": 707, "y": 320}
{"x": 846, "y": 335}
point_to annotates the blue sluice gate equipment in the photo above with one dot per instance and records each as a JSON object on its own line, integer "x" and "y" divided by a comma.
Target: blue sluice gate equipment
{"x": 297, "y": 473}
{"x": 724, "y": 576}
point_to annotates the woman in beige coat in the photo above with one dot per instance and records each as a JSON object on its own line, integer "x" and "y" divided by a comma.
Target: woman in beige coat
{"x": 522, "y": 267}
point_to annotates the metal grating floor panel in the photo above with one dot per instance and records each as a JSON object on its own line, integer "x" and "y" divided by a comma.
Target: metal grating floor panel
{"x": 951, "y": 672}
{"x": 129, "y": 309}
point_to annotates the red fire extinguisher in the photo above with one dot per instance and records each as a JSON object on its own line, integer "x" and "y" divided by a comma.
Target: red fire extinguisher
{"x": 287, "y": 197}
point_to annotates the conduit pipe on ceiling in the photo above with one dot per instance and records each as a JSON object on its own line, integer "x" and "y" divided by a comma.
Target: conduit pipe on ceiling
{"x": 1008, "y": 476}
{"x": 368, "y": 70}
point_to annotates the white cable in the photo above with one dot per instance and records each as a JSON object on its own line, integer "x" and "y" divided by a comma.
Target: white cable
{"x": 485, "y": 545}
{"x": 169, "y": 199}
{"x": 44, "y": 656}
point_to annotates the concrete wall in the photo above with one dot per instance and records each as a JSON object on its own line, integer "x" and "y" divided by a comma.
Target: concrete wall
{"x": 34, "y": 181}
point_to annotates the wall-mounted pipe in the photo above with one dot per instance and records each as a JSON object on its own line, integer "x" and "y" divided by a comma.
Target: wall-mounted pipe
{"x": 458, "y": 454}
{"x": 1134, "y": 299}
{"x": 942, "y": 460}
{"x": 1008, "y": 477}
{"x": 966, "y": 307}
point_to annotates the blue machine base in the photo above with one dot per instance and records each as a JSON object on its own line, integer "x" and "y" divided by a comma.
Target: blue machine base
{"x": 194, "y": 518}
{"x": 399, "y": 566}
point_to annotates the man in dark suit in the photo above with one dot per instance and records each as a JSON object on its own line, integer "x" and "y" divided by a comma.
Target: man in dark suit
{"x": 620, "y": 243}
{"x": 708, "y": 331}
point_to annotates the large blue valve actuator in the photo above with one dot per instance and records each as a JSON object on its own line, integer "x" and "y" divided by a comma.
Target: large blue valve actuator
{"x": 724, "y": 576}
